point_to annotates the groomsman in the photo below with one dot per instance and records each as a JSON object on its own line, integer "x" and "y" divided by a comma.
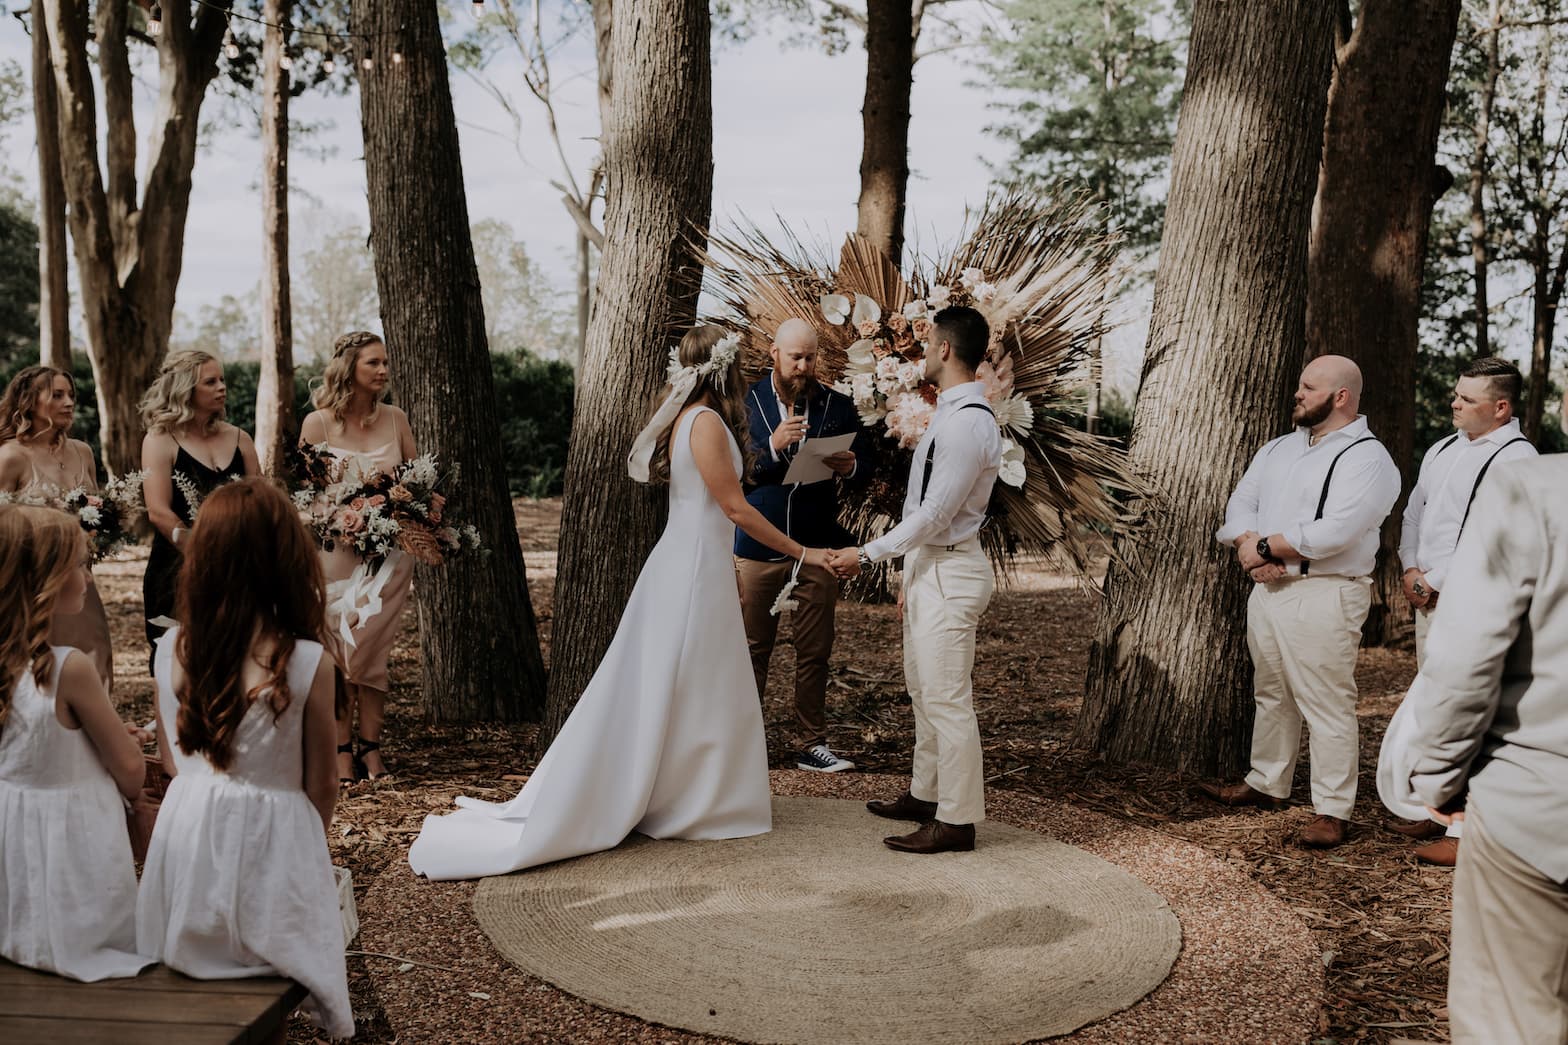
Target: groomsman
{"x": 786, "y": 408}
{"x": 1440, "y": 506}
{"x": 1304, "y": 522}
{"x": 948, "y": 583}
{"x": 1491, "y": 733}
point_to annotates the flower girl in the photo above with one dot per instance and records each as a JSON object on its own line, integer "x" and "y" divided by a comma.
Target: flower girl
{"x": 67, "y": 883}
{"x": 238, "y": 881}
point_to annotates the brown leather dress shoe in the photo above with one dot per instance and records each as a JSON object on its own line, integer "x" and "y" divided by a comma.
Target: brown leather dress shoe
{"x": 1325, "y": 832}
{"x": 933, "y": 836}
{"x": 1419, "y": 829}
{"x": 905, "y": 807}
{"x": 1242, "y": 794}
{"x": 1444, "y": 852}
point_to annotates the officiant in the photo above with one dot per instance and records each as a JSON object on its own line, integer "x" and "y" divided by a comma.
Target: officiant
{"x": 788, "y": 409}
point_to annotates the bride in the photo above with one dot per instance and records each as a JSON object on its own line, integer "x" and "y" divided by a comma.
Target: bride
{"x": 667, "y": 739}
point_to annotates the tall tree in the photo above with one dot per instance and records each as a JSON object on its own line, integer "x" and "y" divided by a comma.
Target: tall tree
{"x": 54, "y": 300}
{"x": 1168, "y": 678}
{"x": 128, "y": 250}
{"x": 481, "y": 656}
{"x": 1379, "y": 181}
{"x": 336, "y": 291}
{"x": 275, "y": 431}
{"x": 1480, "y": 168}
{"x": 658, "y": 153}
{"x": 884, "y": 116}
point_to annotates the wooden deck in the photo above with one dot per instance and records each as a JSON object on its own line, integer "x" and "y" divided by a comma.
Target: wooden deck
{"x": 158, "y": 1007}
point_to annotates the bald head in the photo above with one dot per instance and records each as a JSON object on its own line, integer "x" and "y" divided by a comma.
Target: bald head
{"x": 794, "y": 355}
{"x": 1329, "y": 393}
{"x": 795, "y": 333}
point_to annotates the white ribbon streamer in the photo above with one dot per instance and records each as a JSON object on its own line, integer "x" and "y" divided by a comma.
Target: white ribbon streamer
{"x": 785, "y": 604}
{"x": 358, "y": 596}
{"x": 640, "y": 460}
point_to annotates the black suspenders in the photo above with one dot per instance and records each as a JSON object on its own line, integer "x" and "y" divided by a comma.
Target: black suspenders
{"x": 1482, "y": 475}
{"x": 1327, "y": 479}
{"x": 925, "y": 478}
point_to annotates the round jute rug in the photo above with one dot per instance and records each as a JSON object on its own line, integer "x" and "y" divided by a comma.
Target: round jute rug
{"x": 817, "y": 932}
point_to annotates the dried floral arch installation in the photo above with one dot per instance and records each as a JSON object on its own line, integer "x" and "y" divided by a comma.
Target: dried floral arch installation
{"x": 1042, "y": 271}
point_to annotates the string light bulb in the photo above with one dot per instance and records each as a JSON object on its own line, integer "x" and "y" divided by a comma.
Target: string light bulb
{"x": 397, "y": 57}
{"x": 285, "y": 62}
{"x": 230, "y": 47}
{"x": 155, "y": 22}
{"x": 479, "y": 8}
{"x": 367, "y": 63}
{"x": 327, "y": 64}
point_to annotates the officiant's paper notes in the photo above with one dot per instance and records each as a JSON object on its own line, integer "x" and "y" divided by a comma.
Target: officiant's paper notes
{"x": 807, "y": 467}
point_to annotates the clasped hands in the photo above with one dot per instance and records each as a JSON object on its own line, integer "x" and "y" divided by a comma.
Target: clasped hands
{"x": 1420, "y": 594}
{"x": 844, "y": 562}
{"x": 1261, "y": 570}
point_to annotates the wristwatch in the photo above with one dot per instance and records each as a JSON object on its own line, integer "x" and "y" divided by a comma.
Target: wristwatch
{"x": 1263, "y": 550}
{"x": 862, "y": 559}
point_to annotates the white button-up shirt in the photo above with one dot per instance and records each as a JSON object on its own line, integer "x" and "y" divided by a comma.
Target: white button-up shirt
{"x": 1280, "y": 490}
{"x": 1437, "y": 506}
{"x": 968, "y": 456}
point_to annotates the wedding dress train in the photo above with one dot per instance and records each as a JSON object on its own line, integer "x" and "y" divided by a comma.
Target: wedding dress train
{"x": 667, "y": 739}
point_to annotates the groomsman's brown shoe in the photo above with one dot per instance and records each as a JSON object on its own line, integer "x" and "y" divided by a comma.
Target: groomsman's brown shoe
{"x": 1242, "y": 794}
{"x": 1325, "y": 832}
{"x": 1418, "y": 829}
{"x": 933, "y": 836}
{"x": 1444, "y": 852}
{"x": 905, "y": 807}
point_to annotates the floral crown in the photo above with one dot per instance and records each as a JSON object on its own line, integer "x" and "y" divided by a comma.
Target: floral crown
{"x": 718, "y": 361}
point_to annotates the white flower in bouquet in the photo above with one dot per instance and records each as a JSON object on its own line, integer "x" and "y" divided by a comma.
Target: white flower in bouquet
{"x": 939, "y": 298}
{"x": 863, "y": 389}
{"x": 861, "y": 357}
{"x": 907, "y": 419}
{"x": 844, "y": 388}
{"x": 835, "y": 308}
{"x": 471, "y": 536}
{"x": 916, "y": 309}
{"x": 871, "y": 414}
{"x": 984, "y": 293}
{"x": 1012, "y": 470}
{"x": 911, "y": 374}
{"x": 1014, "y": 413}
{"x": 422, "y": 470}
{"x": 91, "y": 516}
{"x": 887, "y": 368}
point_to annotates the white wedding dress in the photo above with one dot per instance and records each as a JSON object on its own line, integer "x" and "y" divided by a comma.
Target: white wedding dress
{"x": 667, "y": 740}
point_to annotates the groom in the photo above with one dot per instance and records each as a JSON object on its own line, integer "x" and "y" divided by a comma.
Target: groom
{"x": 947, "y": 585}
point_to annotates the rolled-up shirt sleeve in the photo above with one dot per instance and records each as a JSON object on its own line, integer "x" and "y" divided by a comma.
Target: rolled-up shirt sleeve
{"x": 1410, "y": 526}
{"x": 1361, "y": 495}
{"x": 958, "y": 462}
{"x": 1494, "y": 574}
{"x": 1241, "y": 511}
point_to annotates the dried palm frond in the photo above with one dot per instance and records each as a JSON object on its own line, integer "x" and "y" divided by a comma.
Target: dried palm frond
{"x": 1053, "y": 267}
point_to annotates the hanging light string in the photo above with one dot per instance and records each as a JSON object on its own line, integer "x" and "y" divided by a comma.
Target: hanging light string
{"x": 332, "y": 39}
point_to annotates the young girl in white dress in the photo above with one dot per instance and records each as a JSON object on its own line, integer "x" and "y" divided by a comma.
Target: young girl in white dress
{"x": 238, "y": 881}
{"x": 67, "y": 882}
{"x": 667, "y": 739}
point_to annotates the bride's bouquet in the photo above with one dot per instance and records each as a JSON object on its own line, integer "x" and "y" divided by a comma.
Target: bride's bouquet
{"x": 108, "y": 516}
{"x": 374, "y": 513}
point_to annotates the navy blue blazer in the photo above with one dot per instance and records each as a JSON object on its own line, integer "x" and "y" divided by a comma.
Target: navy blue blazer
{"x": 808, "y": 513}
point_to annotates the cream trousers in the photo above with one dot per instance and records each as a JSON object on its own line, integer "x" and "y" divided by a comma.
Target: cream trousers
{"x": 1424, "y": 625}
{"x": 1303, "y": 635}
{"x": 944, "y": 594}
{"x": 1508, "y": 954}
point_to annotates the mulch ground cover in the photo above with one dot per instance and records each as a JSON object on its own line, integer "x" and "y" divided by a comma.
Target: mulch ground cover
{"x": 1379, "y": 918}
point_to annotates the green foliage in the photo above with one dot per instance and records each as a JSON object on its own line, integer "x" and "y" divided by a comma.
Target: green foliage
{"x": 1090, "y": 92}
{"x": 18, "y": 282}
{"x": 533, "y": 399}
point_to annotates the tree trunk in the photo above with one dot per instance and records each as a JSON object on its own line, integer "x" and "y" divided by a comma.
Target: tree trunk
{"x": 1378, "y": 183}
{"x": 1169, "y": 676}
{"x": 54, "y": 300}
{"x": 884, "y": 156}
{"x": 1480, "y": 171}
{"x": 128, "y": 257}
{"x": 603, "y": 23}
{"x": 584, "y": 297}
{"x": 481, "y": 657}
{"x": 275, "y": 387}
{"x": 658, "y": 158}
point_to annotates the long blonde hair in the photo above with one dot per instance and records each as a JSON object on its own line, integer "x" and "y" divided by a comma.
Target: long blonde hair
{"x": 336, "y": 390}
{"x": 725, "y": 393}
{"x": 171, "y": 401}
{"x": 21, "y": 399}
{"x": 39, "y": 547}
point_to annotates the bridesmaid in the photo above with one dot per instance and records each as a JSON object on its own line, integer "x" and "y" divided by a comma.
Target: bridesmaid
{"x": 359, "y": 426}
{"x": 187, "y": 438}
{"x": 39, "y": 457}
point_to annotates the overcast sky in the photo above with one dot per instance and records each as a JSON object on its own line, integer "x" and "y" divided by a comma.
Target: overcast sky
{"x": 786, "y": 140}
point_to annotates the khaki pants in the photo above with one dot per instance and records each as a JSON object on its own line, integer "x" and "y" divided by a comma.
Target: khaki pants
{"x": 1508, "y": 960}
{"x": 945, "y": 592}
{"x": 1424, "y": 625}
{"x": 1303, "y": 635}
{"x": 812, "y": 620}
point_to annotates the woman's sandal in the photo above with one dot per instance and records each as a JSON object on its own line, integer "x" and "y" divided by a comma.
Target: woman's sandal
{"x": 354, "y": 765}
{"x": 360, "y": 769}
